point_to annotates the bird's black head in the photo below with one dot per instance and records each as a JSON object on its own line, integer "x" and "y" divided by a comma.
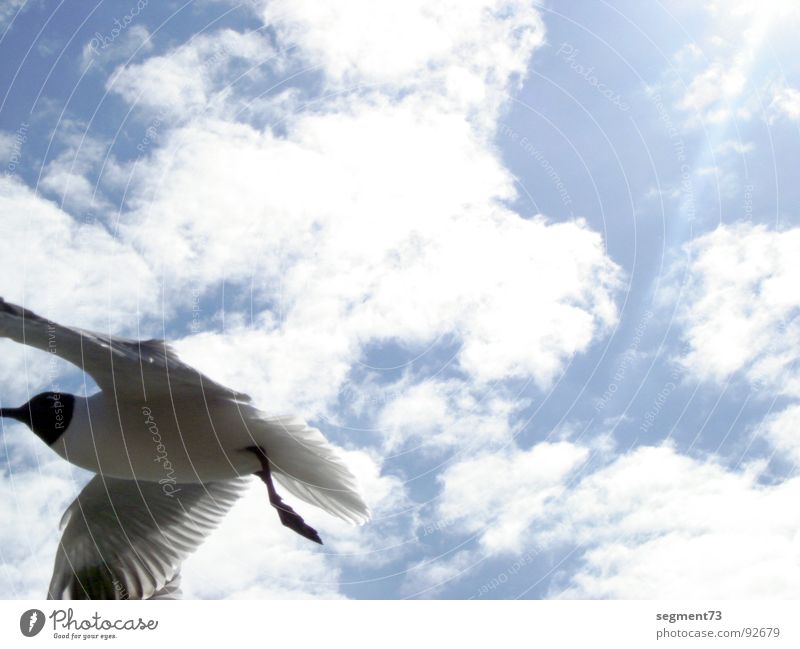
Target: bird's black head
{"x": 47, "y": 414}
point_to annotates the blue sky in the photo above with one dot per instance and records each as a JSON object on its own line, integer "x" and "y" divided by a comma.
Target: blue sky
{"x": 532, "y": 267}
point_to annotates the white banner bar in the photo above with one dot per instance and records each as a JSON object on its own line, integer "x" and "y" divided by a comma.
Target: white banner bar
{"x": 377, "y": 624}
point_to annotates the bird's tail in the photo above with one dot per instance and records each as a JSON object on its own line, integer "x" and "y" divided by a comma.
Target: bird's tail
{"x": 305, "y": 463}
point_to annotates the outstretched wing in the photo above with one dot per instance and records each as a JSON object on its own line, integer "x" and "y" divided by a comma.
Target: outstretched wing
{"x": 124, "y": 539}
{"x": 154, "y": 363}
{"x": 307, "y": 465}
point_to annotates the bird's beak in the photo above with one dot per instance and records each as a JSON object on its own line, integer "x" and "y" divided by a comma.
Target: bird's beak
{"x": 14, "y": 413}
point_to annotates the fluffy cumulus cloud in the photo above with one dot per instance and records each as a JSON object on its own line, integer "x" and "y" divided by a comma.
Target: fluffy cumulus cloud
{"x": 499, "y": 496}
{"x": 500, "y": 33}
{"x": 786, "y": 102}
{"x": 65, "y": 269}
{"x": 134, "y": 41}
{"x": 652, "y": 523}
{"x": 721, "y": 75}
{"x": 433, "y": 415}
{"x": 781, "y": 429}
{"x": 658, "y": 524}
{"x": 62, "y": 266}
{"x": 73, "y": 178}
{"x": 7, "y": 141}
{"x": 741, "y": 319}
{"x": 233, "y": 564}
{"x": 32, "y": 502}
{"x": 380, "y": 211}
{"x": 193, "y": 77}
{"x": 462, "y": 54}
{"x": 740, "y": 306}
{"x": 742, "y": 284}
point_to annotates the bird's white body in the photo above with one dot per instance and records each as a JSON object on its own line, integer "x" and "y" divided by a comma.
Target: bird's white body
{"x": 168, "y": 441}
{"x": 149, "y": 441}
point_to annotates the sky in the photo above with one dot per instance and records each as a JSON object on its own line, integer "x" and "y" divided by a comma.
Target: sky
{"x": 531, "y": 266}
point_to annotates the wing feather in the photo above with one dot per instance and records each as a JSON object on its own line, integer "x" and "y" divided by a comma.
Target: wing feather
{"x": 309, "y": 467}
{"x": 105, "y": 357}
{"x": 125, "y": 539}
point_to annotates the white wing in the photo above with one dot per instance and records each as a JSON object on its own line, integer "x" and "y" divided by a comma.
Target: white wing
{"x": 307, "y": 465}
{"x": 124, "y": 539}
{"x": 111, "y": 361}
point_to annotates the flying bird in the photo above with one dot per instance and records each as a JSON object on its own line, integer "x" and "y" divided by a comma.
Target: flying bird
{"x": 171, "y": 450}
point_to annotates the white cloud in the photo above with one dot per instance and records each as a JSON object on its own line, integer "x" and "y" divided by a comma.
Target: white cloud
{"x": 194, "y": 77}
{"x": 232, "y": 563}
{"x": 735, "y": 146}
{"x": 783, "y": 431}
{"x": 252, "y": 556}
{"x": 464, "y": 52}
{"x": 67, "y": 178}
{"x": 402, "y": 236}
{"x": 435, "y": 414}
{"x": 498, "y": 496}
{"x": 716, "y": 83}
{"x": 69, "y": 270}
{"x": 135, "y": 40}
{"x": 723, "y": 70}
{"x": 657, "y": 524}
{"x": 786, "y": 102}
{"x": 427, "y": 578}
{"x": 7, "y": 141}
{"x": 9, "y": 9}
{"x": 651, "y": 524}
{"x": 380, "y": 211}
{"x": 35, "y": 489}
{"x": 385, "y": 537}
{"x": 740, "y": 306}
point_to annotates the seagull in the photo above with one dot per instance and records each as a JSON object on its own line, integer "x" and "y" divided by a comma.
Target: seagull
{"x": 172, "y": 451}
